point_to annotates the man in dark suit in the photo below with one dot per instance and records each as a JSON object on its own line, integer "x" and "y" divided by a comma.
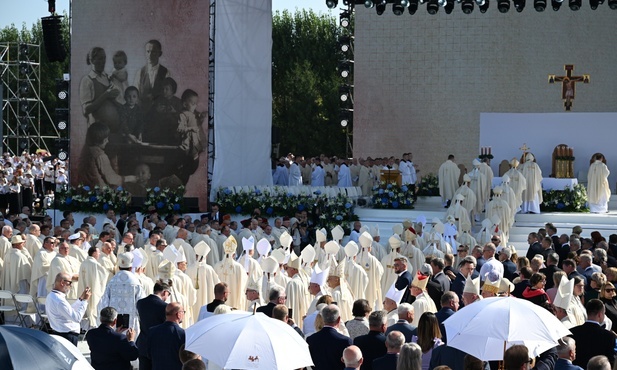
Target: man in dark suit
{"x": 564, "y": 241}
{"x": 215, "y": 215}
{"x": 591, "y": 338}
{"x": 276, "y": 296}
{"x": 509, "y": 267}
{"x": 403, "y": 325}
{"x": 534, "y": 246}
{"x": 281, "y": 312}
{"x": 438, "y": 264}
{"x": 108, "y": 348}
{"x": 373, "y": 344}
{"x": 394, "y": 343}
{"x": 327, "y": 345}
{"x": 566, "y": 350}
{"x": 151, "y": 313}
{"x": 165, "y": 340}
{"x": 550, "y": 269}
{"x": 569, "y": 267}
{"x": 449, "y": 305}
{"x": 465, "y": 267}
{"x": 519, "y": 288}
{"x": 403, "y": 282}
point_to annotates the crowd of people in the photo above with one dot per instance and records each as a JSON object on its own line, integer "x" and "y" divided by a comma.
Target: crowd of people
{"x": 342, "y": 172}
{"x": 356, "y": 299}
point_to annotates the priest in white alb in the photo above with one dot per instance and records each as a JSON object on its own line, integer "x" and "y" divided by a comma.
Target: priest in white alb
{"x": 92, "y": 274}
{"x": 598, "y": 190}
{"x": 389, "y": 276}
{"x": 40, "y": 268}
{"x": 246, "y": 260}
{"x": 62, "y": 262}
{"x": 296, "y": 290}
{"x": 355, "y": 275}
{"x": 517, "y": 180}
{"x": 233, "y": 274}
{"x": 478, "y": 185}
{"x": 340, "y": 292}
{"x": 374, "y": 271}
{"x": 532, "y": 195}
{"x": 448, "y": 179}
{"x": 204, "y": 276}
{"x": 17, "y": 268}
{"x": 469, "y": 197}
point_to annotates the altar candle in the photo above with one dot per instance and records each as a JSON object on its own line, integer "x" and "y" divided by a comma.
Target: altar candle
{"x": 489, "y": 150}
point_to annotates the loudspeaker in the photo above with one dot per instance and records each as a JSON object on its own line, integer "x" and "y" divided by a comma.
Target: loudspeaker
{"x": 52, "y": 37}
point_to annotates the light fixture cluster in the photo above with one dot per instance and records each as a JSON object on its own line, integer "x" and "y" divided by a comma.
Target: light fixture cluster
{"x": 346, "y": 64}
{"x": 467, "y": 6}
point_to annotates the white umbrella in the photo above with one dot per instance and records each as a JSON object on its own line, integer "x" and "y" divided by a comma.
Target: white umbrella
{"x": 486, "y": 328}
{"x": 243, "y": 340}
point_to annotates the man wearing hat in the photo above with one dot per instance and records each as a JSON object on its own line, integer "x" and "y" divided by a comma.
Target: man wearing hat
{"x": 478, "y": 185}
{"x": 250, "y": 264}
{"x": 17, "y": 268}
{"x": 233, "y": 274}
{"x": 414, "y": 255}
{"x": 296, "y": 289}
{"x": 204, "y": 276}
{"x": 391, "y": 302}
{"x": 123, "y": 291}
{"x": 532, "y": 194}
{"x": 458, "y": 212}
{"x": 389, "y": 276}
{"x": 517, "y": 181}
{"x": 182, "y": 284}
{"x": 471, "y": 293}
{"x": 499, "y": 207}
{"x": 317, "y": 287}
{"x": 76, "y": 250}
{"x": 374, "y": 271}
{"x": 340, "y": 292}
{"x": 253, "y": 297}
{"x": 355, "y": 276}
{"x": 509, "y": 196}
{"x": 423, "y": 302}
{"x": 469, "y": 197}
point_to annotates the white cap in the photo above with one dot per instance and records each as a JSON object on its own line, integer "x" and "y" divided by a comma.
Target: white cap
{"x": 337, "y": 233}
{"x": 395, "y": 241}
{"x": 351, "y": 249}
{"x": 475, "y": 162}
{"x": 269, "y": 264}
{"x": 564, "y": 294}
{"x": 397, "y": 229}
{"x": 375, "y": 231}
{"x": 331, "y": 247}
{"x": 308, "y": 254}
{"x": 263, "y": 247}
{"x": 125, "y": 260}
{"x": 139, "y": 258}
{"x": 230, "y": 245}
{"x": 75, "y": 236}
{"x": 366, "y": 240}
{"x": 318, "y": 276}
{"x": 395, "y": 294}
{"x": 202, "y": 248}
{"x": 248, "y": 244}
{"x": 285, "y": 240}
{"x": 472, "y": 285}
{"x": 181, "y": 256}
{"x": 279, "y": 255}
{"x": 170, "y": 253}
{"x": 321, "y": 235}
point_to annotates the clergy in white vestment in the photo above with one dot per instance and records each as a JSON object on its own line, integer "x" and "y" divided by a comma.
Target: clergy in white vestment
{"x": 487, "y": 171}
{"x": 344, "y": 175}
{"x": 377, "y": 250}
{"x": 204, "y": 276}
{"x": 233, "y": 274}
{"x": 182, "y": 282}
{"x": 389, "y": 276}
{"x": 17, "y": 268}
{"x": 280, "y": 276}
{"x": 337, "y": 236}
{"x": 374, "y": 269}
{"x": 415, "y": 257}
{"x": 478, "y": 185}
{"x": 365, "y": 180}
{"x": 355, "y": 275}
{"x": 318, "y": 175}
{"x": 448, "y": 179}
{"x": 469, "y": 197}
{"x": 532, "y": 195}
{"x": 181, "y": 241}
{"x": 484, "y": 235}
{"x": 296, "y": 289}
{"x": 33, "y": 242}
{"x": 405, "y": 167}
{"x": 509, "y": 196}
{"x": 155, "y": 259}
{"x": 340, "y": 292}
{"x": 66, "y": 264}
{"x": 458, "y": 211}
{"x": 517, "y": 181}
{"x": 76, "y": 241}
{"x": 140, "y": 261}
{"x": 308, "y": 258}
{"x": 598, "y": 190}
{"x": 391, "y": 301}
{"x": 295, "y": 175}
{"x": 246, "y": 260}
{"x": 5, "y": 241}
{"x": 40, "y": 268}
{"x": 317, "y": 287}
{"x": 499, "y": 207}
{"x": 93, "y": 275}
{"x": 253, "y": 295}
{"x": 423, "y": 302}
{"x": 562, "y": 302}
{"x": 270, "y": 268}
{"x": 123, "y": 291}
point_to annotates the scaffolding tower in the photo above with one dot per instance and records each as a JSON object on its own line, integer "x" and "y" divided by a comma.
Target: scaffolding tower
{"x": 22, "y": 107}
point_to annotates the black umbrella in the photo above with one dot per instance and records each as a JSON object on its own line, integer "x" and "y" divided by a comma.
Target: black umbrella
{"x": 22, "y": 348}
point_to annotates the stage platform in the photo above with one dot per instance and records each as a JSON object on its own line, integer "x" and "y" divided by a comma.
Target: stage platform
{"x": 431, "y": 207}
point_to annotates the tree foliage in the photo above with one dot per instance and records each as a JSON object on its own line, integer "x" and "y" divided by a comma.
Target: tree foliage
{"x": 305, "y": 83}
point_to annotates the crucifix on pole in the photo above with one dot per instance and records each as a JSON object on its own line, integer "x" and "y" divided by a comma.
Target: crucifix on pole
{"x": 568, "y": 84}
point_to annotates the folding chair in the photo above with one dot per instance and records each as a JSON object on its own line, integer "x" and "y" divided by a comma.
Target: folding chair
{"x": 44, "y": 319}
{"x": 7, "y": 305}
{"x": 26, "y": 300}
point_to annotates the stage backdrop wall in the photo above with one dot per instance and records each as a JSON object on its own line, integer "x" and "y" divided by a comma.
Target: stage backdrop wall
{"x": 587, "y": 133}
{"x": 149, "y": 142}
{"x": 243, "y": 93}
{"x": 421, "y": 81}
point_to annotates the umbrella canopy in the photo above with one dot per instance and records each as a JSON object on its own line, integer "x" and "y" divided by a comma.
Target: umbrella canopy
{"x": 486, "y": 328}
{"x": 22, "y": 348}
{"x": 243, "y": 340}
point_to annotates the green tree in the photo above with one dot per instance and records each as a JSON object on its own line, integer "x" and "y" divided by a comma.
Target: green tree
{"x": 305, "y": 83}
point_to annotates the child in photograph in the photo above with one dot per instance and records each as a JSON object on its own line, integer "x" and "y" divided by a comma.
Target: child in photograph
{"x": 188, "y": 131}
{"x": 143, "y": 175}
{"x": 163, "y": 116}
{"x": 119, "y": 76}
{"x": 132, "y": 116}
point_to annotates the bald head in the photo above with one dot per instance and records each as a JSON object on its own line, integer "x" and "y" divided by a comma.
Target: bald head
{"x": 395, "y": 341}
{"x": 352, "y": 357}
{"x": 174, "y": 312}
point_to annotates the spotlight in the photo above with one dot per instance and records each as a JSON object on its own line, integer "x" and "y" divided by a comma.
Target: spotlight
{"x": 380, "y": 8}
{"x": 556, "y": 4}
{"x": 442, "y": 3}
{"x": 346, "y": 116}
{"x": 345, "y": 42}
{"x": 503, "y": 6}
{"x": 62, "y": 89}
{"x": 539, "y": 5}
{"x": 467, "y": 6}
{"x": 24, "y": 68}
{"x": 519, "y": 5}
{"x": 24, "y": 144}
{"x": 345, "y": 19}
{"x": 593, "y": 4}
{"x": 432, "y": 7}
{"x": 344, "y": 68}
{"x": 23, "y": 124}
{"x": 484, "y": 7}
{"x": 24, "y": 88}
{"x": 449, "y": 6}
{"x": 369, "y": 4}
{"x": 345, "y": 92}
{"x": 413, "y": 7}
{"x": 331, "y": 4}
{"x": 51, "y": 6}
{"x": 575, "y": 4}
{"x": 612, "y": 4}
{"x": 398, "y": 7}
{"x": 23, "y": 51}
{"x": 24, "y": 106}
{"x": 62, "y": 148}
{"x": 62, "y": 118}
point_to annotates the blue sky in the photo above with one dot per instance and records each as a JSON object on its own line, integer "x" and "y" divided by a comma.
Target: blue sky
{"x": 28, "y": 11}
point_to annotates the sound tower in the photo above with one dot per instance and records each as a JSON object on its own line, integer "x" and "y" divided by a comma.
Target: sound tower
{"x": 52, "y": 38}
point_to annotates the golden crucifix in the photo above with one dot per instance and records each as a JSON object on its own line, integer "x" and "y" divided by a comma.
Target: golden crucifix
{"x": 568, "y": 84}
